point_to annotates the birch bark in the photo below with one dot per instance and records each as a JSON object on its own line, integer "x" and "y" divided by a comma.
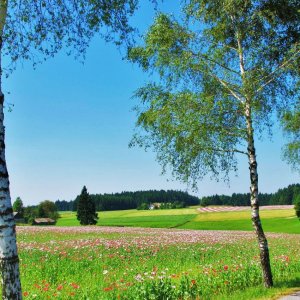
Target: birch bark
{"x": 9, "y": 261}
{"x": 256, "y": 222}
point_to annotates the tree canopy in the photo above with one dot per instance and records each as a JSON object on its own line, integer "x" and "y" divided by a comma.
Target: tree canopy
{"x": 47, "y": 209}
{"x": 291, "y": 126}
{"x": 18, "y": 206}
{"x": 194, "y": 115}
{"x": 35, "y": 30}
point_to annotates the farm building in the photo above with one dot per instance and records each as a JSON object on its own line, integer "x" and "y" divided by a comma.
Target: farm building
{"x": 154, "y": 206}
{"x": 43, "y": 221}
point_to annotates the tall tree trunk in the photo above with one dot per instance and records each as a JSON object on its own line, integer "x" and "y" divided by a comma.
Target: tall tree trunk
{"x": 9, "y": 261}
{"x": 256, "y": 222}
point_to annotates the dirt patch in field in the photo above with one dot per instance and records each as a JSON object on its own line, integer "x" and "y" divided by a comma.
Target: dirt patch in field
{"x": 242, "y": 208}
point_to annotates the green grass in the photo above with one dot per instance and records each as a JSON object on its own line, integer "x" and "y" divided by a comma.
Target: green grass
{"x": 280, "y": 289}
{"x": 189, "y": 218}
{"x": 107, "y": 263}
{"x": 272, "y": 221}
{"x": 168, "y": 218}
{"x": 132, "y": 264}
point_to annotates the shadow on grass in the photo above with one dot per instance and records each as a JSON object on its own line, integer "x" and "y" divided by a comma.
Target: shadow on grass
{"x": 281, "y": 288}
{"x": 290, "y": 283}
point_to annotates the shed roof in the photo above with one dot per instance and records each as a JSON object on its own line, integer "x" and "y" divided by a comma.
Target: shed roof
{"x": 44, "y": 220}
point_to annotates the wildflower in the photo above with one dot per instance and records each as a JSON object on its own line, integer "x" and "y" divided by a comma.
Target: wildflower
{"x": 74, "y": 285}
{"x": 225, "y": 268}
{"x": 105, "y": 272}
{"x": 25, "y": 294}
{"x": 138, "y": 277}
{"x": 37, "y": 286}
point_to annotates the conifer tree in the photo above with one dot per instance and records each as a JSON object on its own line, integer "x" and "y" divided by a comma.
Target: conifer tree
{"x": 297, "y": 206}
{"x": 86, "y": 209}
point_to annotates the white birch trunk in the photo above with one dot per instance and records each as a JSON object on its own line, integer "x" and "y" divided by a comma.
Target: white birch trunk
{"x": 9, "y": 261}
{"x": 256, "y": 222}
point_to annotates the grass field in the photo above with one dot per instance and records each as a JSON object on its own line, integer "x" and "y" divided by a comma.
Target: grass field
{"x": 272, "y": 221}
{"x": 136, "y": 218}
{"x": 109, "y": 263}
{"x": 190, "y": 218}
{"x": 126, "y": 261}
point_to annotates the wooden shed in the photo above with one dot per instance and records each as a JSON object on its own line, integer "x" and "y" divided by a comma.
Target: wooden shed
{"x": 43, "y": 221}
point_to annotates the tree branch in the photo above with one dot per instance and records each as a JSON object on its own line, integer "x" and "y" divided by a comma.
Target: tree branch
{"x": 215, "y": 62}
{"x": 225, "y": 84}
{"x": 277, "y": 69}
{"x": 227, "y": 150}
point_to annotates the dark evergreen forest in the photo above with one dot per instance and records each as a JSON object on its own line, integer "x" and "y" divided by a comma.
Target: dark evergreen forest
{"x": 284, "y": 196}
{"x": 133, "y": 200}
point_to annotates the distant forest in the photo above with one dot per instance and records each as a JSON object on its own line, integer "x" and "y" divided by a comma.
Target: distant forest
{"x": 133, "y": 200}
{"x": 285, "y": 196}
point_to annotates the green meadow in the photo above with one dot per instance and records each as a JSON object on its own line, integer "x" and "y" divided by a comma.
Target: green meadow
{"x": 283, "y": 221}
{"x": 123, "y": 259}
{"x": 109, "y": 263}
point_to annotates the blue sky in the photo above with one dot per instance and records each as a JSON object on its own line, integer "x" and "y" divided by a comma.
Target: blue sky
{"x": 71, "y": 124}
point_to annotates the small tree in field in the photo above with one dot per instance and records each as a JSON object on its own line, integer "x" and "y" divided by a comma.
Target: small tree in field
{"x": 18, "y": 206}
{"x": 297, "y": 206}
{"x": 86, "y": 209}
{"x": 47, "y": 209}
{"x": 226, "y": 69}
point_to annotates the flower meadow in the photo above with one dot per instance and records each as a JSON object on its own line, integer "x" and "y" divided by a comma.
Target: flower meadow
{"x": 142, "y": 263}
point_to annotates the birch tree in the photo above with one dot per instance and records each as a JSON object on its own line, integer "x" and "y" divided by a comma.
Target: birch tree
{"x": 35, "y": 30}
{"x": 225, "y": 70}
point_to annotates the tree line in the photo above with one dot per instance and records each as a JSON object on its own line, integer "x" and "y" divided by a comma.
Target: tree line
{"x": 45, "y": 209}
{"x": 131, "y": 200}
{"x": 284, "y": 196}
{"x": 138, "y": 199}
